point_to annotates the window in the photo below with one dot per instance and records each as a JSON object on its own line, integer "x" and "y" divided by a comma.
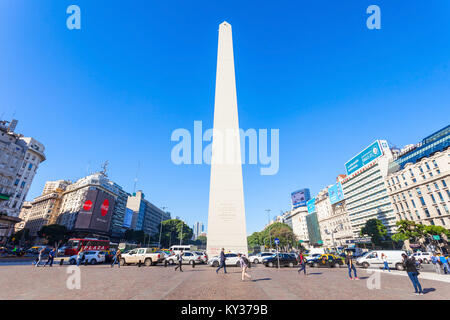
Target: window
{"x": 446, "y": 209}
{"x": 414, "y": 180}
{"x": 443, "y": 183}
{"x": 440, "y": 196}
{"x": 431, "y": 174}
{"x": 435, "y": 163}
{"x": 411, "y": 172}
{"x": 432, "y": 222}
{"x": 427, "y": 213}
{"x": 443, "y": 222}
{"x": 412, "y": 201}
{"x": 422, "y": 201}
{"x": 426, "y": 164}
{"x": 432, "y": 198}
{"x": 421, "y": 170}
{"x": 438, "y": 211}
{"x": 436, "y": 186}
{"x": 398, "y": 181}
{"x": 403, "y": 176}
{"x": 417, "y": 214}
{"x": 418, "y": 191}
{"x": 428, "y": 187}
{"x": 410, "y": 194}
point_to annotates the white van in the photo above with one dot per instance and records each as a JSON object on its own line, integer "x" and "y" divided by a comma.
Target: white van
{"x": 186, "y": 248}
{"x": 373, "y": 259}
{"x": 316, "y": 251}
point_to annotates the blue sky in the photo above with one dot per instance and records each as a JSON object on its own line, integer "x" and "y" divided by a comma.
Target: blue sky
{"x": 116, "y": 89}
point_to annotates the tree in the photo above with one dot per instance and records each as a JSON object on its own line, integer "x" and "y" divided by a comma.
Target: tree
{"x": 255, "y": 239}
{"x": 408, "y": 231}
{"x": 21, "y": 235}
{"x": 172, "y": 230}
{"x": 54, "y": 234}
{"x": 276, "y": 230}
{"x": 375, "y": 229}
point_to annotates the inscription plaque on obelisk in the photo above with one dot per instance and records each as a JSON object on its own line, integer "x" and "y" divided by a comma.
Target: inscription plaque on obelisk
{"x": 226, "y": 216}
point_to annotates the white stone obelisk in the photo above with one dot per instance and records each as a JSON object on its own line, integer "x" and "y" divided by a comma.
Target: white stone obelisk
{"x": 226, "y": 217}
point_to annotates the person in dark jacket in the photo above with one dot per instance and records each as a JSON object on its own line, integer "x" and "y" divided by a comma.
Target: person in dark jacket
{"x": 222, "y": 262}
{"x": 51, "y": 257}
{"x": 410, "y": 266}
{"x": 302, "y": 261}
{"x": 180, "y": 260}
{"x": 351, "y": 266}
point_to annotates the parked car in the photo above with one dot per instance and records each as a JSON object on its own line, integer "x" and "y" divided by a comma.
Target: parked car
{"x": 231, "y": 260}
{"x": 373, "y": 258}
{"x": 285, "y": 259}
{"x": 312, "y": 257}
{"x": 144, "y": 255}
{"x": 92, "y": 257}
{"x": 61, "y": 251}
{"x": 203, "y": 256}
{"x": 422, "y": 257}
{"x": 188, "y": 258}
{"x": 258, "y": 258}
{"x": 325, "y": 261}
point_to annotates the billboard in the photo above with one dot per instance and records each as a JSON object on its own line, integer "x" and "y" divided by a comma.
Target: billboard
{"x": 128, "y": 218}
{"x": 300, "y": 197}
{"x": 103, "y": 210}
{"x": 311, "y": 205}
{"x": 364, "y": 157}
{"x": 335, "y": 193}
{"x": 96, "y": 211}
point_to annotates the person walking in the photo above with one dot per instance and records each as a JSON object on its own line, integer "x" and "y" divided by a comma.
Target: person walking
{"x": 385, "y": 262}
{"x": 80, "y": 256}
{"x": 410, "y": 266}
{"x": 244, "y": 266}
{"x": 222, "y": 262}
{"x": 116, "y": 258}
{"x": 51, "y": 257}
{"x": 38, "y": 261}
{"x": 351, "y": 266}
{"x": 435, "y": 261}
{"x": 302, "y": 261}
{"x": 180, "y": 260}
{"x": 444, "y": 263}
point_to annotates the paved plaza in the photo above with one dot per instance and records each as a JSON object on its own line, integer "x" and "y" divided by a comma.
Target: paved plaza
{"x": 202, "y": 283}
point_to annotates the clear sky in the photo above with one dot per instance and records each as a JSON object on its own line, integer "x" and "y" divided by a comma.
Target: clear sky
{"x": 137, "y": 70}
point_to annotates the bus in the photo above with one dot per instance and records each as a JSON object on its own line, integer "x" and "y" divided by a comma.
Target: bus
{"x": 73, "y": 246}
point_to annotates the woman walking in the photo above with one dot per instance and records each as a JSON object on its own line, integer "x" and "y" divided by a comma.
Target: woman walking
{"x": 116, "y": 258}
{"x": 410, "y": 266}
{"x": 351, "y": 266}
{"x": 38, "y": 261}
{"x": 385, "y": 262}
{"x": 244, "y": 265}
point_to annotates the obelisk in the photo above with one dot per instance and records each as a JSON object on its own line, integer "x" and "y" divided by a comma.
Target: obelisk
{"x": 226, "y": 216}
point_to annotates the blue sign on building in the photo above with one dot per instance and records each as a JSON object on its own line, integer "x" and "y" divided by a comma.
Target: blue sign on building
{"x": 311, "y": 205}
{"x": 300, "y": 197}
{"x": 128, "y": 218}
{"x": 335, "y": 193}
{"x": 364, "y": 157}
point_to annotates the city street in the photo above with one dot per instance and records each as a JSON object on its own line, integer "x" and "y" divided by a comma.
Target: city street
{"x": 201, "y": 283}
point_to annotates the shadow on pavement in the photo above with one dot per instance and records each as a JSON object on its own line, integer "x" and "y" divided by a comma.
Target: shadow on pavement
{"x": 314, "y": 273}
{"x": 427, "y": 290}
{"x": 262, "y": 279}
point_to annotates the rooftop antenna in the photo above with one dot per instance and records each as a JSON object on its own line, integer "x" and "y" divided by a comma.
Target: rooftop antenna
{"x": 136, "y": 178}
{"x": 105, "y": 168}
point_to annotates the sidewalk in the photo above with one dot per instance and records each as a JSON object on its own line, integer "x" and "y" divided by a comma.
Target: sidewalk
{"x": 422, "y": 275}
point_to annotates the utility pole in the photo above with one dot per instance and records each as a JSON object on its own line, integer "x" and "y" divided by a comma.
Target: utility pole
{"x": 160, "y": 227}
{"x": 268, "y": 225}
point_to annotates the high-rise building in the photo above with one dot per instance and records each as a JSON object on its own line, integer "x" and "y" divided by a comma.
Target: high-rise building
{"x": 296, "y": 219}
{"x": 145, "y": 215}
{"x": 226, "y": 216}
{"x": 365, "y": 190}
{"x": 198, "y": 229}
{"x": 94, "y": 206}
{"x": 418, "y": 181}
{"x": 19, "y": 159}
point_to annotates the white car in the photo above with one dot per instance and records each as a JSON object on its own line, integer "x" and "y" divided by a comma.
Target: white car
{"x": 424, "y": 257}
{"x": 258, "y": 258}
{"x": 188, "y": 258}
{"x": 92, "y": 257}
{"x": 231, "y": 260}
{"x": 313, "y": 256}
{"x": 202, "y": 255}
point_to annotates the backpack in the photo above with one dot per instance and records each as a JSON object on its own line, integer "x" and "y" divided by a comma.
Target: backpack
{"x": 246, "y": 261}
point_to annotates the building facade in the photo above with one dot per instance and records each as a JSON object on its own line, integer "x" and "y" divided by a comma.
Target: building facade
{"x": 418, "y": 181}
{"x": 19, "y": 159}
{"x": 365, "y": 189}
{"x": 296, "y": 219}
{"x": 146, "y": 216}
{"x": 198, "y": 228}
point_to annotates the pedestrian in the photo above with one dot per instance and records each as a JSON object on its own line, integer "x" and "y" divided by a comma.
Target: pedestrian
{"x": 222, "y": 262}
{"x": 410, "y": 266}
{"x": 51, "y": 257}
{"x": 244, "y": 266}
{"x": 444, "y": 263}
{"x": 80, "y": 256}
{"x": 351, "y": 266}
{"x": 435, "y": 261}
{"x": 38, "y": 260}
{"x": 302, "y": 260}
{"x": 180, "y": 260}
{"x": 385, "y": 262}
{"x": 116, "y": 258}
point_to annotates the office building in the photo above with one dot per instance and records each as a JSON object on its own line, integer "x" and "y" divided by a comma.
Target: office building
{"x": 198, "y": 229}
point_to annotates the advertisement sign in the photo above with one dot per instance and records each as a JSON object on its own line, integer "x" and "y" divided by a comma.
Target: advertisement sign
{"x": 311, "y": 205}
{"x": 335, "y": 193}
{"x": 85, "y": 214}
{"x": 128, "y": 218}
{"x": 103, "y": 210}
{"x": 364, "y": 157}
{"x": 300, "y": 197}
